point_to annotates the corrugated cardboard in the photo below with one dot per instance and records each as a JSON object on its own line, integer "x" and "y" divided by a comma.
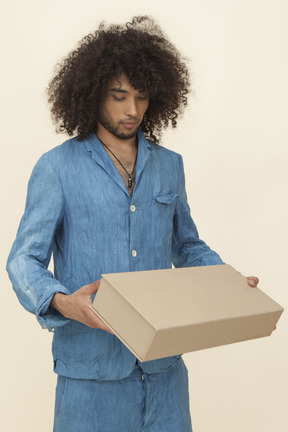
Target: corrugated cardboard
{"x": 160, "y": 313}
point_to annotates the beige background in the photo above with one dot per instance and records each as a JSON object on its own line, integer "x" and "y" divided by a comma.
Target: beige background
{"x": 234, "y": 142}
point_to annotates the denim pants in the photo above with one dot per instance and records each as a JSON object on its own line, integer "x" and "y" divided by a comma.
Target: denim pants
{"x": 140, "y": 402}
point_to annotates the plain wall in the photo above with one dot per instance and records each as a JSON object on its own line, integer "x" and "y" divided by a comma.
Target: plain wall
{"x": 233, "y": 139}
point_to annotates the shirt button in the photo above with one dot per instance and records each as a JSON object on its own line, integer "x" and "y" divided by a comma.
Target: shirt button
{"x": 132, "y": 208}
{"x": 143, "y": 377}
{"x": 134, "y": 253}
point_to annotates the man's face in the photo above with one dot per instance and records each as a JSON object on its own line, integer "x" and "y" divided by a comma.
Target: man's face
{"x": 123, "y": 108}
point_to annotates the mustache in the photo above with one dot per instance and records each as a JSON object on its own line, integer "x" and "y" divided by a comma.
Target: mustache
{"x": 130, "y": 120}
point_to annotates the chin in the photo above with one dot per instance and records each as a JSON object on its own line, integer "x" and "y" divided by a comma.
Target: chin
{"x": 124, "y": 136}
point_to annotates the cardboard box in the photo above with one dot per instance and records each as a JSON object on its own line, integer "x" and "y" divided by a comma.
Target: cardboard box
{"x": 160, "y": 313}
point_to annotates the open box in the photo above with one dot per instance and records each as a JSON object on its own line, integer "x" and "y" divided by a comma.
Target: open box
{"x": 161, "y": 313}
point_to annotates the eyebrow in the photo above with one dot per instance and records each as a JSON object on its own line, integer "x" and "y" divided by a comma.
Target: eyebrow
{"x": 117, "y": 90}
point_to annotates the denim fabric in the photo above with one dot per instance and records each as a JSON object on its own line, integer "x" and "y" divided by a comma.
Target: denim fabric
{"x": 140, "y": 402}
{"x": 78, "y": 207}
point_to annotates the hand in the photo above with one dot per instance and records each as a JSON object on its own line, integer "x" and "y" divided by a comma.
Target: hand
{"x": 252, "y": 281}
{"x": 77, "y": 306}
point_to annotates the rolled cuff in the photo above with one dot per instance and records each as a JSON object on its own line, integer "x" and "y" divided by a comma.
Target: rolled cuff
{"x": 48, "y": 317}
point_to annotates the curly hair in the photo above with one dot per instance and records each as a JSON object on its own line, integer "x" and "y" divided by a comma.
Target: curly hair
{"x": 141, "y": 51}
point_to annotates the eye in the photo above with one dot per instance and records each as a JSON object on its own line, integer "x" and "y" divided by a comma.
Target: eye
{"x": 142, "y": 98}
{"x": 118, "y": 99}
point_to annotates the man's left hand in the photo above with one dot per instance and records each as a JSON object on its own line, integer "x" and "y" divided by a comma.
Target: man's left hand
{"x": 252, "y": 281}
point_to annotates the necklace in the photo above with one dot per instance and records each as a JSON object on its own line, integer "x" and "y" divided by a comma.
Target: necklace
{"x": 130, "y": 175}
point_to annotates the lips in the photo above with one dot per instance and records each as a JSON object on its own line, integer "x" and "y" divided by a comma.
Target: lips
{"x": 129, "y": 125}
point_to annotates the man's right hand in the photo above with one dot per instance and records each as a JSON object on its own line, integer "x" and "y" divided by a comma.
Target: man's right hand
{"x": 77, "y": 306}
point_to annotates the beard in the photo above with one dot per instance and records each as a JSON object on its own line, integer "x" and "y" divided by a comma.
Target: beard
{"x": 114, "y": 130}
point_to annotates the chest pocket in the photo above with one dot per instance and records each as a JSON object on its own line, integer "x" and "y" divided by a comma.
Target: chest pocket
{"x": 164, "y": 208}
{"x": 162, "y": 217}
{"x": 166, "y": 199}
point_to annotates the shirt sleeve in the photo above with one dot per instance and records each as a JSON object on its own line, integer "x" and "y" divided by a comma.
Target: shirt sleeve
{"x": 188, "y": 250}
{"x": 31, "y": 252}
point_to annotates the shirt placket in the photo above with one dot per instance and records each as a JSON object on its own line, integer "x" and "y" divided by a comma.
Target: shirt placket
{"x": 135, "y": 254}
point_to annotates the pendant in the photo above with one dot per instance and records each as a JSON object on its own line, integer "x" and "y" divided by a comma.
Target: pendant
{"x": 129, "y": 182}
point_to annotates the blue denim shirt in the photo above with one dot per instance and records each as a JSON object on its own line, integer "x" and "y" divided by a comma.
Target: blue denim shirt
{"x": 79, "y": 208}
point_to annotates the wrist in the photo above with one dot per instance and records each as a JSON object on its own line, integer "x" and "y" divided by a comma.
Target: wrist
{"x": 57, "y": 301}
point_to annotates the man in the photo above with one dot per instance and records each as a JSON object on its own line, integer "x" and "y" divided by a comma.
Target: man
{"x": 109, "y": 200}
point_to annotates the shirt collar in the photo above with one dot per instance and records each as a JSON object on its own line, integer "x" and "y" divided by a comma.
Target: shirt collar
{"x": 100, "y": 156}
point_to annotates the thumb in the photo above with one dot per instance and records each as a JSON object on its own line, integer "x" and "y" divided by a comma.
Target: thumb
{"x": 93, "y": 287}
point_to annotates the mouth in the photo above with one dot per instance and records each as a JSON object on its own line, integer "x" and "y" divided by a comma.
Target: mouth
{"x": 129, "y": 125}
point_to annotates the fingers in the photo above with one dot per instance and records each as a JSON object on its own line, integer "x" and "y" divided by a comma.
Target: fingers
{"x": 96, "y": 322}
{"x": 252, "y": 281}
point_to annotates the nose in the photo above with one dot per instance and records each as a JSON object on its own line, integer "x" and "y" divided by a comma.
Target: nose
{"x": 131, "y": 109}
